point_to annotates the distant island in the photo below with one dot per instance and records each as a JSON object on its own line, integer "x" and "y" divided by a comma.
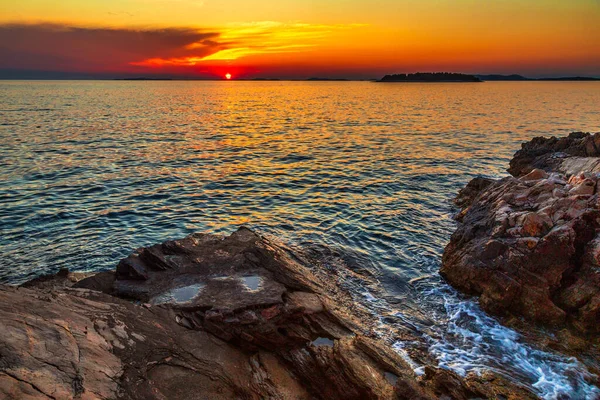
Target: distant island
{"x": 457, "y": 77}
{"x": 515, "y": 77}
{"x": 430, "y": 77}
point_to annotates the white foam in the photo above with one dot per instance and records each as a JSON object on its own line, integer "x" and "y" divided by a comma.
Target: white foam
{"x": 465, "y": 339}
{"x": 474, "y": 341}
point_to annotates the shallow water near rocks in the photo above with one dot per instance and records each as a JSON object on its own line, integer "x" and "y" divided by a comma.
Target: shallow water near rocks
{"x": 391, "y": 378}
{"x": 322, "y": 341}
{"x": 92, "y": 170}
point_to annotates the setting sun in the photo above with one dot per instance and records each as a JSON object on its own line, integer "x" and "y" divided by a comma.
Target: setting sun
{"x": 228, "y": 76}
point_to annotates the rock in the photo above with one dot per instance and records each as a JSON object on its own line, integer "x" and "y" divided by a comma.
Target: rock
{"x": 307, "y": 302}
{"x": 468, "y": 193}
{"x": 549, "y": 154}
{"x": 102, "y": 282}
{"x": 529, "y": 245}
{"x": 63, "y": 278}
{"x": 536, "y": 224}
{"x": 585, "y": 187}
{"x": 535, "y": 174}
{"x": 212, "y": 317}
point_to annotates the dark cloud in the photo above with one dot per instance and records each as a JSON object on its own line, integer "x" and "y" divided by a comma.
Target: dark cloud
{"x": 68, "y": 48}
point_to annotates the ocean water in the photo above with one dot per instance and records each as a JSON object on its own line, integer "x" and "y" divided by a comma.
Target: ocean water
{"x": 90, "y": 170}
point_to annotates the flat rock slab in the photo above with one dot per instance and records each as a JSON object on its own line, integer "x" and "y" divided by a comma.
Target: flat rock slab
{"x": 200, "y": 272}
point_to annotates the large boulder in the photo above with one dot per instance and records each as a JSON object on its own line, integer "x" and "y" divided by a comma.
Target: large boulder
{"x": 530, "y": 245}
{"x": 209, "y": 317}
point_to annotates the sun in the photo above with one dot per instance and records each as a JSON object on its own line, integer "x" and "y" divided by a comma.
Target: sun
{"x": 228, "y": 76}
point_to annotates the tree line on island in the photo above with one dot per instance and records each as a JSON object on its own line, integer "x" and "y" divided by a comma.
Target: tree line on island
{"x": 430, "y": 77}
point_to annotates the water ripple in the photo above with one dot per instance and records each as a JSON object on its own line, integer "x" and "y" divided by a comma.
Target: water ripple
{"x": 364, "y": 168}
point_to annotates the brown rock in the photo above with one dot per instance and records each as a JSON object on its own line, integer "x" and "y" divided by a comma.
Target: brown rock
{"x": 585, "y": 187}
{"x": 536, "y": 224}
{"x": 535, "y": 174}
{"x": 539, "y": 257}
{"x": 467, "y": 194}
{"x": 549, "y": 154}
{"x": 220, "y": 318}
{"x": 307, "y": 302}
{"x": 271, "y": 312}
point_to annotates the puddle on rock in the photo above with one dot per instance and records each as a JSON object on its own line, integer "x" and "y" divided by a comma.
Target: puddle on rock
{"x": 323, "y": 341}
{"x": 252, "y": 282}
{"x": 391, "y": 378}
{"x": 182, "y": 294}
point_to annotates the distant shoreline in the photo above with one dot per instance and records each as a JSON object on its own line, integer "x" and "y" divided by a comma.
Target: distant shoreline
{"x": 521, "y": 78}
{"x": 430, "y": 77}
{"x": 426, "y": 81}
{"x": 483, "y": 78}
{"x": 451, "y": 77}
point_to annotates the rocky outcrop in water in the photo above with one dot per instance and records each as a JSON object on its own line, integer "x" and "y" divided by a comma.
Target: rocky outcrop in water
{"x": 209, "y": 317}
{"x": 529, "y": 245}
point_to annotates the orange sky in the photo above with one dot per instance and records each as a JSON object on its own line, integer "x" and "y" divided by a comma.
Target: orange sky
{"x": 298, "y": 39}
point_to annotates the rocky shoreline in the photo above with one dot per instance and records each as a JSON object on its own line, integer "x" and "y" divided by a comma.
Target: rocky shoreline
{"x": 209, "y": 317}
{"x": 244, "y": 316}
{"x": 528, "y": 245}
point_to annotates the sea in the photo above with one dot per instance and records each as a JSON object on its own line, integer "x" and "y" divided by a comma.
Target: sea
{"x": 91, "y": 170}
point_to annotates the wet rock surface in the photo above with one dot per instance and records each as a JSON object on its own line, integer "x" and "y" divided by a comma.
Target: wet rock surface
{"x": 209, "y": 317}
{"x": 529, "y": 245}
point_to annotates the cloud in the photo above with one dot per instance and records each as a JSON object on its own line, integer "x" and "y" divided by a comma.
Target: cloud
{"x": 54, "y": 47}
{"x": 257, "y": 38}
{"x": 120, "y": 13}
{"x": 60, "y": 47}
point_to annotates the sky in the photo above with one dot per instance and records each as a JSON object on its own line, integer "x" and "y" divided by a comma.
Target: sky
{"x": 354, "y": 39}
